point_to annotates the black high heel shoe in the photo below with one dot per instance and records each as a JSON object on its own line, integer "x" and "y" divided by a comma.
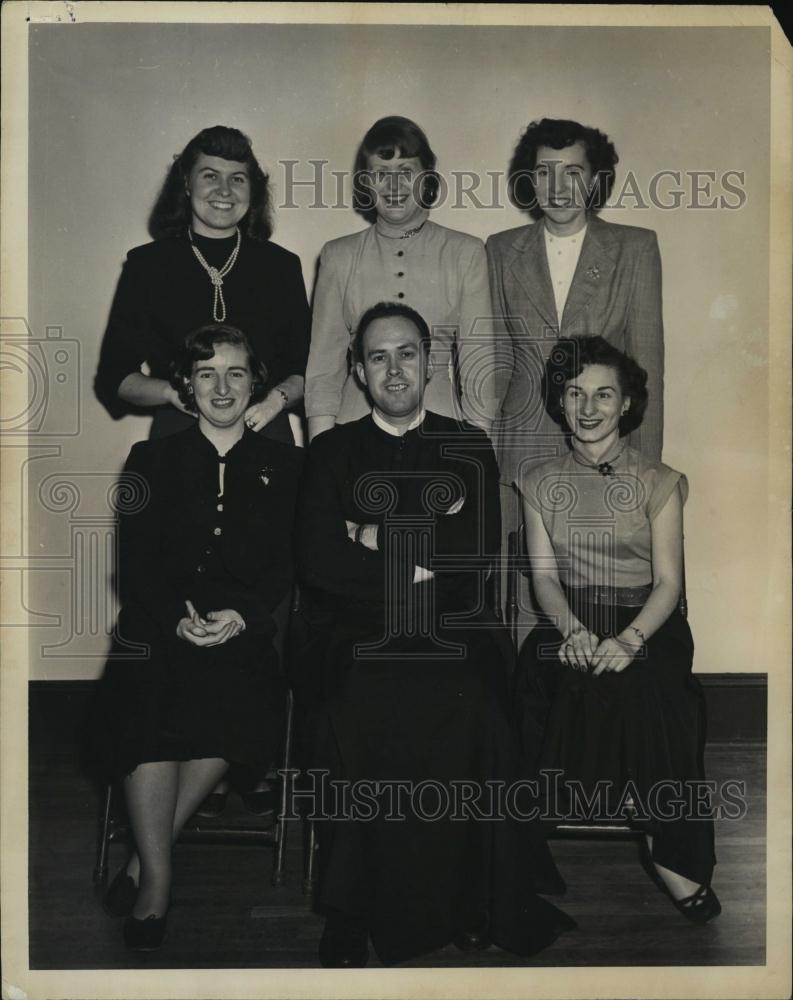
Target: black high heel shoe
{"x": 145, "y": 935}
{"x": 120, "y": 896}
{"x": 700, "y": 907}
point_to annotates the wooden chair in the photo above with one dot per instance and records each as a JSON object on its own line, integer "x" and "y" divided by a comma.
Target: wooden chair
{"x": 112, "y": 827}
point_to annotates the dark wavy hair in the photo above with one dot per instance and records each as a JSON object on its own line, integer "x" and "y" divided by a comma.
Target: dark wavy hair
{"x": 568, "y": 359}
{"x": 200, "y": 345}
{"x": 559, "y": 133}
{"x": 172, "y": 213}
{"x": 390, "y": 310}
{"x": 390, "y": 138}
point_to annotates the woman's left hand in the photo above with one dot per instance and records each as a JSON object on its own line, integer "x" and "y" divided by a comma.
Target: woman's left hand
{"x": 220, "y": 619}
{"x": 260, "y": 414}
{"x": 613, "y": 656}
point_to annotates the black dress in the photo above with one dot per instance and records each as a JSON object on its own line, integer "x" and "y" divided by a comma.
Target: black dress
{"x": 164, "y": 293}
{"x": 162, "y": 698}
{"x": 389, "y": 702}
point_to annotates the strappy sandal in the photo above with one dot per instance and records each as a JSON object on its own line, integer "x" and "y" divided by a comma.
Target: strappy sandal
{"x": 700, "y": 907}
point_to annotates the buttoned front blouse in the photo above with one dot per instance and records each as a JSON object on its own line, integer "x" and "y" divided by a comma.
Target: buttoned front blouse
{"x": 440, "y": 273}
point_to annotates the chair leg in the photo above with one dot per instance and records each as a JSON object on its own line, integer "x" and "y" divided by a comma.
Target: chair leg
{"x": 287, "y": 796}
{"x": 310, "y": 858}
{"x": 103, "y": 847}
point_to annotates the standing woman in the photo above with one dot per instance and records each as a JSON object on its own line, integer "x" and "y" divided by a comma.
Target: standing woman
{"x": 568, "y": 274}
{"x": 402, "y": 257}
{"x": 211, "y": 261}
{"x": 605, "y": 693}
{"x": 205, "y": 559}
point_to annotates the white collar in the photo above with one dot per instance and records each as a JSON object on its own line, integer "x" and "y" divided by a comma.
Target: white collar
{"x": 392, "y": 429}
{"x": 552, "y": 237}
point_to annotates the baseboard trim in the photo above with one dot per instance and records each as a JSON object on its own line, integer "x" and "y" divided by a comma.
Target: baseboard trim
{"x": 737, "y": 707}
{"x": 737, "y": 703}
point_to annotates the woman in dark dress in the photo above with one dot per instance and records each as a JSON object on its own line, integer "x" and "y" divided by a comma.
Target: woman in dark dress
{"x": 205, "y": 558}
{"x": 211, "y": 260}
{"x": 605, "y": 690}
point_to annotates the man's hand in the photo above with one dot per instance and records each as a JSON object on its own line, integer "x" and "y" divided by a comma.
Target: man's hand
{"x": 367, "y": 536}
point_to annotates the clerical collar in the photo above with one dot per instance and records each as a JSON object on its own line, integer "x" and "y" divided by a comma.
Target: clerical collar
{"x": 398, "y": 233}
{"x": 393, "y": 429}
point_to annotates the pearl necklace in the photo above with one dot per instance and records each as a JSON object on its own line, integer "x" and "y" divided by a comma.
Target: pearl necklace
{"x": 216, "y": 276}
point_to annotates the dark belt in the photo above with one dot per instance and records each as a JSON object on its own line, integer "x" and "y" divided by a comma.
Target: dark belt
{"x": 628, "y": 597}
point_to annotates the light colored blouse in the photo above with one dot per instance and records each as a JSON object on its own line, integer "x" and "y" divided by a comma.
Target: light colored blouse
{"x": 562, "y": 253}
{"x": 600, "y": 526}
{"x": 440, "y": 273}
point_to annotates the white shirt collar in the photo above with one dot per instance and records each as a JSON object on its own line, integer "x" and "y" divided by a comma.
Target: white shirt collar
{"x": 566, "y": 241}
{"x": 393, "y": 429}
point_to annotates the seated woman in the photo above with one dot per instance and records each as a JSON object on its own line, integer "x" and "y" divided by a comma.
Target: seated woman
{"x": 604, "y": 689}
{"x": 205, "y": 557}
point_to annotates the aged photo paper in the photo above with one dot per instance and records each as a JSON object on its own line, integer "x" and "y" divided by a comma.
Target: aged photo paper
{"x": 96, "y": 100}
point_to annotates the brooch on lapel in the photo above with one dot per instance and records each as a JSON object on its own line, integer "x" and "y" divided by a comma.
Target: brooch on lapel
{"x": 593, "y": 272}
{"x": 264, "y": 474}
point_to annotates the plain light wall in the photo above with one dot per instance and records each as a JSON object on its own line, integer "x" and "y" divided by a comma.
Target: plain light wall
{"x": 111, "y": 104}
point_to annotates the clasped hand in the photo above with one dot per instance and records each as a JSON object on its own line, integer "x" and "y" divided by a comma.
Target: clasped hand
{"x": 583, "y": 650}
{"x": 214, "y": 629}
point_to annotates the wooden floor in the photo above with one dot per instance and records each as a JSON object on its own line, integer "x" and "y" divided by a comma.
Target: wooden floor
{"x": 225, "y": 914}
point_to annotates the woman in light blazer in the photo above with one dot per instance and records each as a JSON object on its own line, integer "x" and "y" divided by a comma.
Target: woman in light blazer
{"x": 402, "y": 257}
{"x": 568, "y": 274}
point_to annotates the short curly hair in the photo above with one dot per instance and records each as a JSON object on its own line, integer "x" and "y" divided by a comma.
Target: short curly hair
{"x": 567, "y": 360}
{"x": 559, "y": 133}
{"x": 389, "y": 138}
{"x": 199, "y": 345}
{"x": 172, "y": 213}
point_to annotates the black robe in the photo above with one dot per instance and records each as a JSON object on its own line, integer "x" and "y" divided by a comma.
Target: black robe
{"x": 407, "y": 682}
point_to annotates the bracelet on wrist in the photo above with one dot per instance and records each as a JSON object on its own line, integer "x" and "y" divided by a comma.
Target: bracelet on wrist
{"x": 632, "y": 647}
{"x": 359, "y": 532}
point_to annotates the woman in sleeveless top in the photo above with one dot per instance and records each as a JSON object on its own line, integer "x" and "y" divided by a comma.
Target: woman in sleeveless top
{"x": 605, "y": 691}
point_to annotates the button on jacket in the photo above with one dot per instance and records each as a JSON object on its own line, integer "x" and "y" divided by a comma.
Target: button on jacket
{"x": 440, "y": 273}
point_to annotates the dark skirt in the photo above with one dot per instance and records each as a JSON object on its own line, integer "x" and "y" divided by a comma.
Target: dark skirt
{"x": 186, "y": 703}
{"x": 414, "y": 862}
{"x": 637, "y": 734}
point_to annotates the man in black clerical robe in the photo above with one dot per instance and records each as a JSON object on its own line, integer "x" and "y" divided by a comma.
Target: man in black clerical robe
{"x": 402, "y": 670}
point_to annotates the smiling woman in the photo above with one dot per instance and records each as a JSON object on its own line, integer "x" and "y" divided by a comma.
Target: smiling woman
{"x": 403, "y": 257}
{"x": 604, "y": 691}
{"x": 204, "y": 564}
{"x": 211, "y": 259}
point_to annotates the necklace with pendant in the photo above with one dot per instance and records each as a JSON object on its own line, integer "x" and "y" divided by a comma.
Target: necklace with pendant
{"x": 604, "y": 468}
